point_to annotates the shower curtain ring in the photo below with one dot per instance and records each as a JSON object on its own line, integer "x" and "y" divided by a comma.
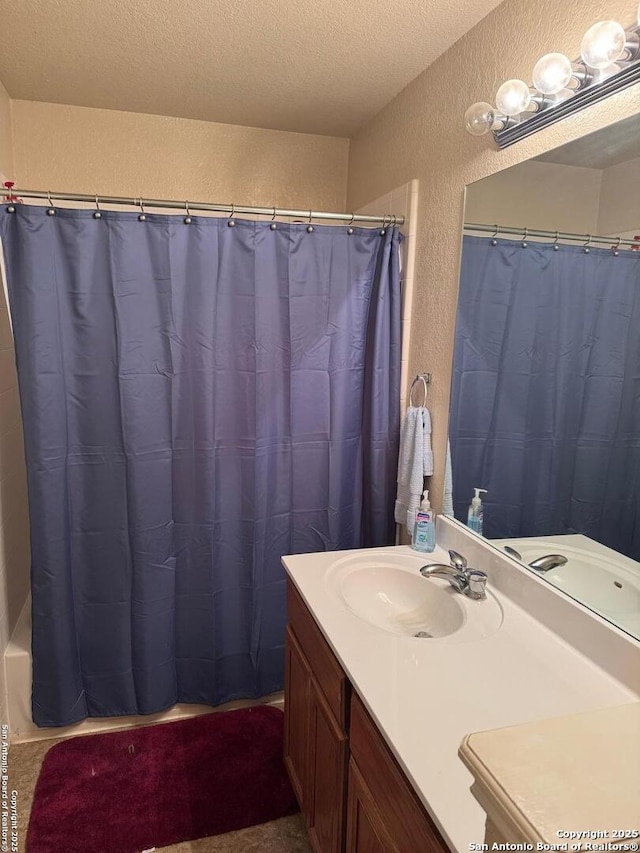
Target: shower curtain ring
{"x": 524, "y": 243}
{"x": 585, "y": 247}
{"x": 142, "y": 216}
{"x": 494, "y": 238}
{"x": 556, "y": 247}
{"x": 310, "y": 228}
{"x": 51, "y": 211}
{"x": 274, "y": 224}
{"x": 97, "y": 214}
{"x": 231, "y": 221}
{"x": 187, "y": 219}
{"x": 616, "y": 249}
{"x": 350, "y": 226}
{"x": 383, "y": 230}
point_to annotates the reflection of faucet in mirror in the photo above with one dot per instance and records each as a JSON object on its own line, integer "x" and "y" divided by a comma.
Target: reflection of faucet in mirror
{"x": 549, "y": 561}
{"x": 541, "y": 564}
{"x": 545, "y": 410}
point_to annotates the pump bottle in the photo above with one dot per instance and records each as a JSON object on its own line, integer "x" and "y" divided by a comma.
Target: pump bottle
{"x": 475, "y": 517}
{"x": 424, "y": 530}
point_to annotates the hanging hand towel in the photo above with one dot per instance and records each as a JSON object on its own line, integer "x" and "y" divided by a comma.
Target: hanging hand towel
{"x": 415, "y": 462}
{"x": 447, "y": 502}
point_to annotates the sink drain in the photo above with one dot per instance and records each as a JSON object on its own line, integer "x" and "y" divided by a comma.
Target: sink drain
{"x": 422, "y": 634}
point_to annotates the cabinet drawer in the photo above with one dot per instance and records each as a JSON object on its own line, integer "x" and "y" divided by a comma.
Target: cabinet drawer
{"x": 326, "y": 669}
{"x": 406, "y": 820}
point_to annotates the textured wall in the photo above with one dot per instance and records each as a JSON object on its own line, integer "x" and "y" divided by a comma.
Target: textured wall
{"x": 117, "y": 153}
{"x": 420, "y": 135}
{"x": 6, "y": 147}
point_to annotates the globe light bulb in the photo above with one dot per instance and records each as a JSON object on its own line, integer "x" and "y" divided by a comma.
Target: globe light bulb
{"x": 603, "y": 43}
{"x": 552, "y": 73}
{"x": 479, "y": 118}
{"x": 513, "y": 97}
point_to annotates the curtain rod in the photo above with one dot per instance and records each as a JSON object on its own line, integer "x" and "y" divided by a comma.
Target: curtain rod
{"x": 496, "y": 230}
{"x": 232, "y": 209}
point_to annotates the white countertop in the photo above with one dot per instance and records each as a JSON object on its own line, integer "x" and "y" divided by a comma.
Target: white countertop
{"x": 427, "y": 694}
{"x": 567, "y": 774}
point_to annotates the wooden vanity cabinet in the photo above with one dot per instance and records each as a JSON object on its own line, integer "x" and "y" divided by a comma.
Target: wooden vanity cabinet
{"x": 351, "y": 790}
{"x": 316, "y": 752}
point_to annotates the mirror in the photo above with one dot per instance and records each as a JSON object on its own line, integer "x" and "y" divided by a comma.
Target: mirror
{"x": 545, "y": 402}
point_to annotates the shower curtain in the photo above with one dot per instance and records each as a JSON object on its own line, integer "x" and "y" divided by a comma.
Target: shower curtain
{"x": 198, "y": 400}
{"x": 545, "y": 410}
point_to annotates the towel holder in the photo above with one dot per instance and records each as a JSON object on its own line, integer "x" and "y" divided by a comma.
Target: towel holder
{"x": 425, "y": 378}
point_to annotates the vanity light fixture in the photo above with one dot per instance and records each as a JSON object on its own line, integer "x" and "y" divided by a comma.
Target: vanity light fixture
{"x": 609, "y": 61}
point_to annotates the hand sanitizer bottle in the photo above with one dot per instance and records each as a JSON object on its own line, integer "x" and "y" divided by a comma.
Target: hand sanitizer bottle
{"x": 475, "y": 517}
{"x": 424, "y": 531}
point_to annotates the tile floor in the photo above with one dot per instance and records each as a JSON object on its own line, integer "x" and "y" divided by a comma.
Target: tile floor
{"x": 287, "y": 835}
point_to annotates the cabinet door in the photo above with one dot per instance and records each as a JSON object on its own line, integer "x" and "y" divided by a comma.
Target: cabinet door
{"x": 297, "y": 718}
{"x": 328, "y": 746}
{"x": 366, "y": 832}
{"x": 404, "y": 818}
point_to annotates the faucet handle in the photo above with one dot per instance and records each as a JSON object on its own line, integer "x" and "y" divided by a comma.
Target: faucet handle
{"x": 477, "y": 584}
{"x": 457, "y": 560}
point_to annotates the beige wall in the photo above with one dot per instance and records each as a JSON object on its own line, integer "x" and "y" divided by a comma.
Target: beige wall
{"x": 6, "y": 143}
{"x": 548, "y": 196}
{"x": 553, "y": 196}
{"x": 620, "y": 199}
{"x": 86, "y": 150}
{"x": 14, "y": 525}
{"x": 420, "y": 135}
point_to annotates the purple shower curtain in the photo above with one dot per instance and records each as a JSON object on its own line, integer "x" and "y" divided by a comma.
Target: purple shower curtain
{"x": 198, "y": 400}
{"x": 545, "y": 408}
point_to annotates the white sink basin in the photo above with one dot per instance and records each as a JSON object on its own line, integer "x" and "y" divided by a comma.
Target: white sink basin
{"x": 387, "y": 591}
{"x": 400, "y": 602}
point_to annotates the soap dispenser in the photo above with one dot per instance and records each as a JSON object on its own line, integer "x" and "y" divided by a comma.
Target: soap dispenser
{"x": 475, "y": 517}
{"x": 424, "y": 530}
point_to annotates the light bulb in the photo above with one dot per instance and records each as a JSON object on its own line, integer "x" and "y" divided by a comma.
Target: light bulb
{"x": 603, "y": 43}
{"x": 513, "y": 97}
{"x": 479, "y": 118}
{"x": 552, "y": 73}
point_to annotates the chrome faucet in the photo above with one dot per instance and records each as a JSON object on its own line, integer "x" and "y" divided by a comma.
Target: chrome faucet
{"x": 542, "y": 564}
{"x": 549, "y": 561}
{"x": 469, "y": 582}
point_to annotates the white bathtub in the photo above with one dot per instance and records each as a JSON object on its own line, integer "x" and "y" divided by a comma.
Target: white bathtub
{"x": 599, "y": 577}
{"x": 18, "y": 679}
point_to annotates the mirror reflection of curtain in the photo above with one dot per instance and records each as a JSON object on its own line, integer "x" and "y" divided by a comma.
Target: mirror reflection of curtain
{"x": 198, "y": 401}
{"x": 545, "y": 410}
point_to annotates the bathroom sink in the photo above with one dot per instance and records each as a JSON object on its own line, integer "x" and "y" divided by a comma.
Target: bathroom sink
{"x": 401, "y": 602}
{"x": 388, "y": 592}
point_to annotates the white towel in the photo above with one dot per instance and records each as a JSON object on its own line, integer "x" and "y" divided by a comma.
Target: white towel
{"x": 415, "y": 462}
{"x": 447, "y": 503}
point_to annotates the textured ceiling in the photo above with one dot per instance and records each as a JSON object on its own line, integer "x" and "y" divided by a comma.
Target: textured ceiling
{"x": 608, "y": 147}
{"x": 315, "y": 66}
